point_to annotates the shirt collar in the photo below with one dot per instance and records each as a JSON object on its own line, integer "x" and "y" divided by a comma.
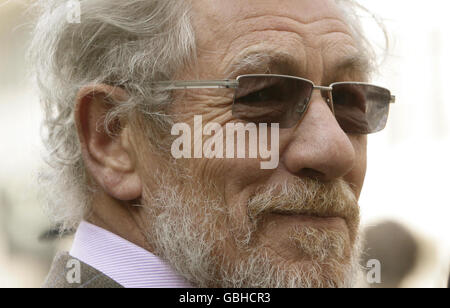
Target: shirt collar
{"x": 129, "y": 265}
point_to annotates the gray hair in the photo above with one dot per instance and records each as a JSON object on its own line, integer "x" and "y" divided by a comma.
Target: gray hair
{"x": 122, "y": 43}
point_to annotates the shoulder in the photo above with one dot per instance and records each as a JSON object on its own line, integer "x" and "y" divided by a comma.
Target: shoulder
{"x": 69, "y": 272}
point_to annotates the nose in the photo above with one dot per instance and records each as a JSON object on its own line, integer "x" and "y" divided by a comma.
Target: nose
{"x": 319, "y": 148}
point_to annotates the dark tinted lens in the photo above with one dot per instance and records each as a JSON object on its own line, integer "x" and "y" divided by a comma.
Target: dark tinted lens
{"x": 360, "y": 108}
{"x": 271, "y": 99}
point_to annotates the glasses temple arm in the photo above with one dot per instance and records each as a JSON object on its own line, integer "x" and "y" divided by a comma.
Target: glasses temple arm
{"x": 213, "y": 84}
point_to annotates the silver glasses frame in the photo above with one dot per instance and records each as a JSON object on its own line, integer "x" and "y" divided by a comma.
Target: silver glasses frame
{"x": 234, "y": 84}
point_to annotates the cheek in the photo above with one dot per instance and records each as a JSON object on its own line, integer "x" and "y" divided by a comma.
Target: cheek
{"x": 213, "y": 105}
{"x": 357, "y": 174}
{"x": 235, "y": 181}
{"x": 234, "y": 177}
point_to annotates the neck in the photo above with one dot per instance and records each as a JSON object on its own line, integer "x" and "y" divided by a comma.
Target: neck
{"x": 119, "y": 218}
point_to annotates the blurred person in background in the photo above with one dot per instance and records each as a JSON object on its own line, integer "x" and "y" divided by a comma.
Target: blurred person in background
{"x": 395, "y": 247}
{"x": 145, "y": 219}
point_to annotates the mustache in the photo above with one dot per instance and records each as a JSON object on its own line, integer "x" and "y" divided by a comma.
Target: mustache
{"x": 308, "y": 197}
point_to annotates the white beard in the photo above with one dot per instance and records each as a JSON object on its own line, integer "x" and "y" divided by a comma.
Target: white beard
{"x": 188, "y": 230}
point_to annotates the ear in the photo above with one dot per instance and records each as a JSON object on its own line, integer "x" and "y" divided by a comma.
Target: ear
{"x": 109, "y": 159}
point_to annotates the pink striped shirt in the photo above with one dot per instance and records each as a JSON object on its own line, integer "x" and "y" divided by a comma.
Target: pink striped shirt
{"x": 129, "y": 265}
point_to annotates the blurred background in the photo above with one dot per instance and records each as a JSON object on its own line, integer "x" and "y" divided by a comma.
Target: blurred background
{"x": 405, "y": 203}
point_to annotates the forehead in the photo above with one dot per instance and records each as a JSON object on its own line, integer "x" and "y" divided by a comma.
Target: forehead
{"x": 310, "y": 36}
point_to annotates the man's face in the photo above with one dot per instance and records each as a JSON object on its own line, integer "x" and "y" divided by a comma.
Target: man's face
{"x": 227, "y": 222}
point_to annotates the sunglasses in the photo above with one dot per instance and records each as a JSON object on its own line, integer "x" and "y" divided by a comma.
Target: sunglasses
{"x": 359, "y": 108}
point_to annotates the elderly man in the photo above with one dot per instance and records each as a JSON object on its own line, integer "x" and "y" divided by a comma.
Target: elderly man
{"x": 115, "y": 84}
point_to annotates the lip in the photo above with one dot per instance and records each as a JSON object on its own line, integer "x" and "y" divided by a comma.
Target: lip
{"x": 331, "y": 222}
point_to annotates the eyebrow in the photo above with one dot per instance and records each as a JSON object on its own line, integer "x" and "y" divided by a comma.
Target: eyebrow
{"x": 357, "y": 65}
{"x": 264, "y": 63}
{"x": 267, "y": 62}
